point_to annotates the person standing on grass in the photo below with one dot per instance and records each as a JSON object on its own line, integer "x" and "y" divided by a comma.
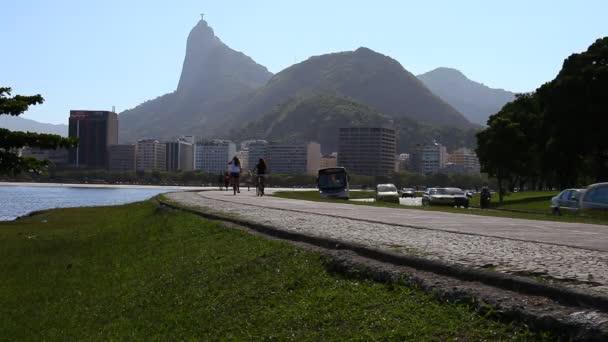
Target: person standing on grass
{"x": 235, "y": 173}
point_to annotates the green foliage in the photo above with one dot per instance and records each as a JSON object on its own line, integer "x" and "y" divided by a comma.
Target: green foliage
{"x": 141, "y": 272}
{"x": 557, "y": 134}
{"x": 10, "y": 142}
{"x": 318, "y": 118}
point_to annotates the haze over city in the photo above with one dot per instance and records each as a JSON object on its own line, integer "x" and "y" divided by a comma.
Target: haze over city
{"x": 114, "y": 53}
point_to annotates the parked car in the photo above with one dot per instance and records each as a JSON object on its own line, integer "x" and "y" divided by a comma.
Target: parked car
{"x": 407, "y": 192}
{"x": 568, "y": 199}
{"x": 387, "y": 193}
{"x": 445, "y": 196}
{"x": 595, "y": 197}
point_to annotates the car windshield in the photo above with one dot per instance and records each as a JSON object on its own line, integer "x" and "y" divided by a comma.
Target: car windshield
{"x": 407, "y": 189}
{"x": 386, "y": 188}
{"x": 332, "y": 180}
{"x": 439, "y": 191}
{"x": 455, "y": 191}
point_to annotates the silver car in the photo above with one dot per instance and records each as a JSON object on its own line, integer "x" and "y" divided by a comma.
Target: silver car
{"x": 566, "y": 200}
{"x": 445, "y": 196}
{"x": 595, "y": 197}
{"x": 387, "y": 193}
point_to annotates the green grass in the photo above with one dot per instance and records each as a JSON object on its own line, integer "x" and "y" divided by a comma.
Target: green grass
{"x": 535, "y": 201}
{"x": 141, "y": 272}
{"x": 521, "y": 202}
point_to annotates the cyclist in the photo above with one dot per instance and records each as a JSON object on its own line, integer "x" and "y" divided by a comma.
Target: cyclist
{"x": 260, "y": 170}
{"x": 235, "y": 173}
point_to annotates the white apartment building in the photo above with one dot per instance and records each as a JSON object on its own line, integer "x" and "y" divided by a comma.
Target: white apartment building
{"x": 257, "y": 149}
{"x": 151, "y": 155}
{"x": 213, "y": 155}
{"x": 466, "y": 158}
{"x": 432, "y": 158}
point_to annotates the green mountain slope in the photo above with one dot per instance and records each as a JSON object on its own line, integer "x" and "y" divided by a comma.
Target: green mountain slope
{"x": 365, "y": 76}
{"x": 475, "y": 100}
{"x": 318, "y": 118}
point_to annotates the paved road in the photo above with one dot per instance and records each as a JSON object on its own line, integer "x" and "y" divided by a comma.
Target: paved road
{"x": 588, "y": 236}
{"x": 572, "y": 254}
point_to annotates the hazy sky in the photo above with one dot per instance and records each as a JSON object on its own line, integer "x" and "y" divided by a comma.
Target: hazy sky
{"x": 86, "y": 54}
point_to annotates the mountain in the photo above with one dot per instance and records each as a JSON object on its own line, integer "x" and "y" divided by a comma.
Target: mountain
{"x": 363, "y": 75}
{"x": 318, "y": 118}
{"x": 214, "y": 77}
{"x": 475, "y": 100}
{"x": 16, "y": 123}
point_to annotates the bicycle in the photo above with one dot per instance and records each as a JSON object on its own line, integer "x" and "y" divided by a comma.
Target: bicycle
{"x": 259, "y": 187}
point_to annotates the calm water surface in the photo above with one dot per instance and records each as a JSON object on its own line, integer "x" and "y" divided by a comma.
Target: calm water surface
{"x": 16, "y": 201}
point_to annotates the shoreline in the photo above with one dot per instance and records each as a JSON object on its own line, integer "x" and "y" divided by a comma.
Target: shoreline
{"x": 117, "y": 186}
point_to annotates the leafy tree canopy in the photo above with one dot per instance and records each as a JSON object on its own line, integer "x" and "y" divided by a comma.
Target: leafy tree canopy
{"x": 10, "y": 142}
{"x": 556, "y": 135}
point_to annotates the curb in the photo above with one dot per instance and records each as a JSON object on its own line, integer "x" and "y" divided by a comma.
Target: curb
{"x": 514, "y": 283}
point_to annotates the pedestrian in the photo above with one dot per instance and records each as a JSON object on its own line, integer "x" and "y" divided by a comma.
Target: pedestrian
{"x": 235, "y": 173}
{"x": 226, "y": 180}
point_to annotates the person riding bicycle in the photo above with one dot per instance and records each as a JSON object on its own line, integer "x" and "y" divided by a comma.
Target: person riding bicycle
{"x": 235, "y": 173}
{"x": 260, "y": 170}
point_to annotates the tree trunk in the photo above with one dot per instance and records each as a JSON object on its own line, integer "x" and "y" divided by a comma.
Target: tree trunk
{"x": 501, "y": 191}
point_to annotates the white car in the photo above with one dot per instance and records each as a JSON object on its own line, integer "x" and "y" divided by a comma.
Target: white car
{"x": 387, "y": 193}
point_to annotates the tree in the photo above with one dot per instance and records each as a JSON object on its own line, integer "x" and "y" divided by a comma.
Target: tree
{"x": 10, "y": 142}
{"x": 499, "y": 149}
{"x": 576, "y": 107}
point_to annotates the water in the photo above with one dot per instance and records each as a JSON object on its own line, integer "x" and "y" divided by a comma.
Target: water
{"x": 16, "y": 201}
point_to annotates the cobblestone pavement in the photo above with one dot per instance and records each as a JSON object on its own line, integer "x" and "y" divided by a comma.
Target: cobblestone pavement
{"x": 488, "y": 246}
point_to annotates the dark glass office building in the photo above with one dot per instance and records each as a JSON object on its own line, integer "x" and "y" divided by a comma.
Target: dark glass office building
{"x": 367, "y": 151}
{"x": 96, "y": 131}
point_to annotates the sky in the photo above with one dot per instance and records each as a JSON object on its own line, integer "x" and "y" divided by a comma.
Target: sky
{"x": 89, "y": 54}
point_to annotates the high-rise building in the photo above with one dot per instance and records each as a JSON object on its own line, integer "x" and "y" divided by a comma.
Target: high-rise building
{"x": 122, "y": 157}
{"x": 431, "y": 158}
{"x": 151, "y": 155}
{"x": 180, "y": 155}
{"x": 303, "y": 158}
{"x": 466, "y": 158}
{"x": 213, "y": 155}
{"x": 96, "y": 130}
{"x": 187, "y": 138}
{"x": 257, "y": 149}
{"x": 243, "y": 156}
{"x": 329, "y": 160}
{"x": 57, "y": 157}
{"x": 404, "y": 161}
{"x": 367, "y": 151}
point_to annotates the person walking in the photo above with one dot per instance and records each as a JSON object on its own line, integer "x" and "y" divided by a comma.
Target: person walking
{"x": 235, "y": 173}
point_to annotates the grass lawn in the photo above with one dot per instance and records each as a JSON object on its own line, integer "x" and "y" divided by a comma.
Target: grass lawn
{"x": 140, "y": 272}
{"x": 520, "y": 201}
{"x": 537, "y": 201}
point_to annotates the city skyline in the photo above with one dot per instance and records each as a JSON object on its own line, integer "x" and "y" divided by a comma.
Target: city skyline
{"x": 100, "y": 55}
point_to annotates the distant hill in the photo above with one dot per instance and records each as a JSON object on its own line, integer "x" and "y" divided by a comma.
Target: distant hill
{"x": 213, "y": 78}
{"x": 318, "y": 118}
{"x": 475, "y": 100}
{"x": 365, "y": 76}
{"x": 16, "y": 123}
